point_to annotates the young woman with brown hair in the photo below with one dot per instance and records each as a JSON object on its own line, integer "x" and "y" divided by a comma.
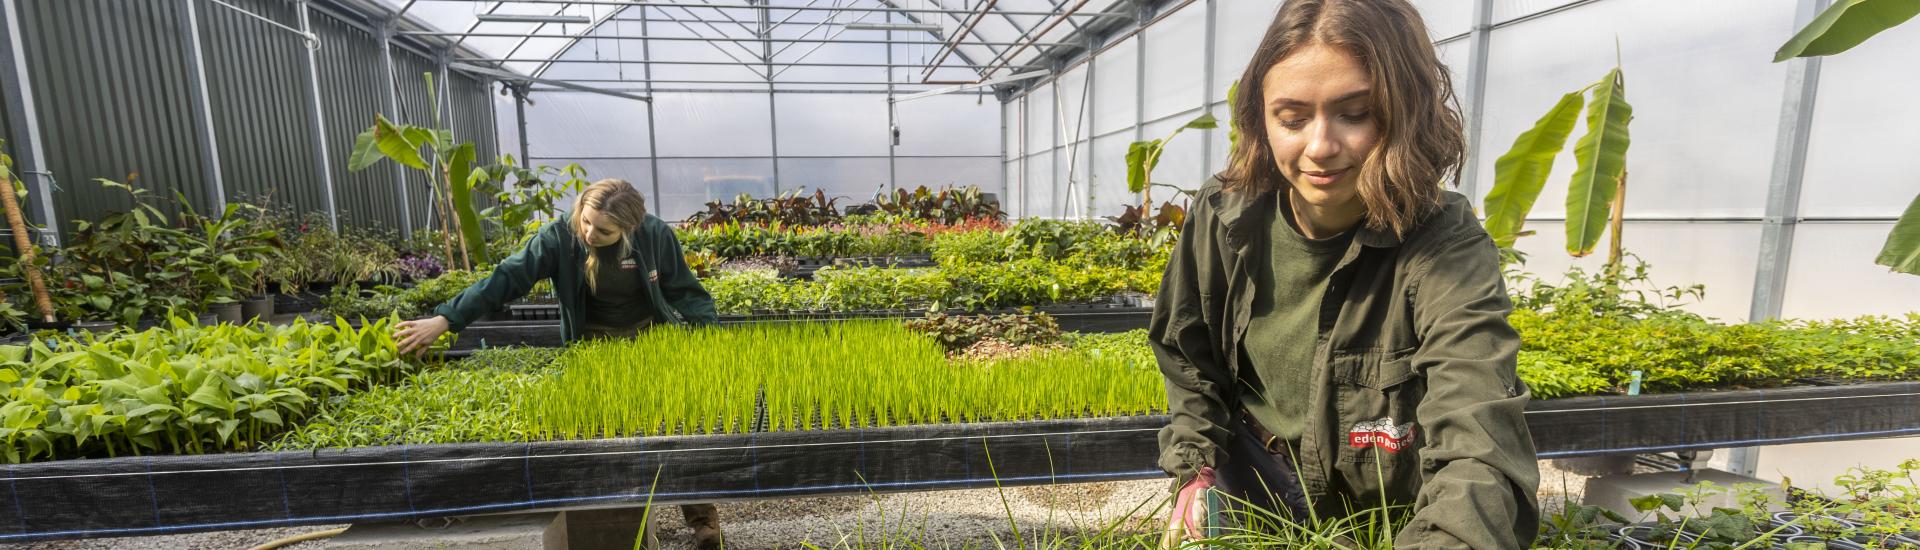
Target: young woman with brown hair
{"x": 1333, "y": 324}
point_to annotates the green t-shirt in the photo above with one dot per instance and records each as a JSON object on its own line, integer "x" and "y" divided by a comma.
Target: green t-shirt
{"x": 619, "y": 299}
{"x": 1285, "y": 323}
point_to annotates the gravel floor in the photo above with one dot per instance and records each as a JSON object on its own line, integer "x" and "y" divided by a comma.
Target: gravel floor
{"x": 942, "y": 519}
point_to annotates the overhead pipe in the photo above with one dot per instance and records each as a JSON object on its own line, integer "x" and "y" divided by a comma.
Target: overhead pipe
{"x": 953, "y": 43}
{"x": 1035, "y": 39}
{"x": 1007, "y": 59}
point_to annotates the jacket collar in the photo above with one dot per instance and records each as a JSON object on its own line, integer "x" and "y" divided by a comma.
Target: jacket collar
{"x": 1244, "y": 214}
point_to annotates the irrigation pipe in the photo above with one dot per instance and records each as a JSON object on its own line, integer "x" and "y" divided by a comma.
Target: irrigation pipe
{"x": 296, "y": 539}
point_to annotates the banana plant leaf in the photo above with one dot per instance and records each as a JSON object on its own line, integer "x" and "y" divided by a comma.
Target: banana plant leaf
{"x": 1601, "y": 160}
{"x": 460, "y": 173}
{"x": 1519, "y": 175}
{"x": 1902, "y": 251}
{"x": 1845, "y": 24}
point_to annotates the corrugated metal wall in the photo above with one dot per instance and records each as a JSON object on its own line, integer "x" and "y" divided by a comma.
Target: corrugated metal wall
{"x": 257, "y": 83}
{"x": 115, "y": 97}
{"x": 352, "y": 92}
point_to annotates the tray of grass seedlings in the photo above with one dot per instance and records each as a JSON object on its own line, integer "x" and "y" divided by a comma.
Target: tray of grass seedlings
{"x": 811, "y": 376}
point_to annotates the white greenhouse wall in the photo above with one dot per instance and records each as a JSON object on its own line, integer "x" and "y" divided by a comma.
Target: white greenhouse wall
{"x": 1707, "y": 100}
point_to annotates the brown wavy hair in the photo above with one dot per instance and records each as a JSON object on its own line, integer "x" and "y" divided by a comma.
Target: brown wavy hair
{"x": 622, "y": 205}
{"x": 1421, "y": 145}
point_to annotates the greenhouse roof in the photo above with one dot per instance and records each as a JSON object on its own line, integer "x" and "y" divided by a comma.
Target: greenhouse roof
{"x": 930, "y": 42}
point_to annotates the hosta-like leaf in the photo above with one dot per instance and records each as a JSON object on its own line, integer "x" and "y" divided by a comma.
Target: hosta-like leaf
{"x": 1902, "y": 251}
{"x": 1601, "y": 159}
{"x": 1520, "y": 174}
{"x": 1845, "y": 24}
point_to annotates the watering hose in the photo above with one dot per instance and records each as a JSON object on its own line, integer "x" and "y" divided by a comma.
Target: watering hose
{"x": 296, "y": 539}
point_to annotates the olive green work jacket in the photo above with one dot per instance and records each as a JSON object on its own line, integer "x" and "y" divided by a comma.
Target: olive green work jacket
{"x": 1413, "y": 392}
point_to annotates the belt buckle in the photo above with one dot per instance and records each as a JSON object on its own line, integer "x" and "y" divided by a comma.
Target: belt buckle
{"x": 1274, "y": 445}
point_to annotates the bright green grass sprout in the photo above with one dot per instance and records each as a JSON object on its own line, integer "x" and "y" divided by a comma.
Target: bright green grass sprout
{"x": 803, "y": 376}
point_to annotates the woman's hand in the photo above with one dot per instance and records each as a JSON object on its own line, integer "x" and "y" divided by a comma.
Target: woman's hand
{"x": 1189, "y": 518}
{"x": 417, "y": 335}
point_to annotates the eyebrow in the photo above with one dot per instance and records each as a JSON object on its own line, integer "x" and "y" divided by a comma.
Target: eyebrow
{"x": 1350, "y": 96}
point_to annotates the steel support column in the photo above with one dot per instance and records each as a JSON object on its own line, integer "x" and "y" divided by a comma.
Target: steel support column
{"x": 653, "y": 140}
{"x": 317, "y": 111}
{"x": 393, "y": 110}
{"x": 1482, "y": 42}
{"x": 773, "y": 111}
{"x": 1783, "y": 197}
{"x": 202, "y": 103}
{"x": 23, "y": 140}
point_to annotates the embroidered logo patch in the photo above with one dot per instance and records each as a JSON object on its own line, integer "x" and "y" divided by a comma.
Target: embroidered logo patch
{"x": 653, "y": 276}
{"x": 1381, "y": 433}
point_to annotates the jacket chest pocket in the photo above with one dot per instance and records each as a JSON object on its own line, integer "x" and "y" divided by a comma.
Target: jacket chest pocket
{"x": 1376, "y": 394}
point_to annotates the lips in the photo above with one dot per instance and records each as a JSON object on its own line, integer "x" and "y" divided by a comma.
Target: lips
{"x": 1322, "y": 178}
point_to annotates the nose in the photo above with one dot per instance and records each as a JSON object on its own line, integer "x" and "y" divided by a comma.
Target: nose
{"x": 1322, "y": 145}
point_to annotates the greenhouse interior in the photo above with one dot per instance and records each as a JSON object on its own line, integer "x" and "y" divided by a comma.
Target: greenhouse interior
{"x": 873, "y": 274}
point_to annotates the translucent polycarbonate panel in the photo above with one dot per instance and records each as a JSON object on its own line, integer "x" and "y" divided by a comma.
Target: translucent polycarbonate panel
{"x": 1180, "y": 160}
{"x": 1116, "y": 75}
{"x": 832, "y": 124}
{"x": 506, "y": 124}
{"x": 1110, "y": 195}
{"x": 599, "y": 59}
{"x": 1456, "y": 57}
{"x": 578, "y": 124}
{"x": 1176, "y": 63}
{"x": 1445, "y": 18}
{"x": 852, "y": 180}
{"x": 1219, "y": 148}
{"x": 1039, "y": 187}
{"x": 713, "y": 125}
{"x": 1013, "y": 200}
{"x": 1721, "y": 256}
{"x": 985, "y": 173}
{"x": 1012, "y": 116}
{"x": 638, "y": 172}
{"x": 719, "y": 60}
{"x": 1833, "y": 274}
{"x": 1701, "y": 145}
{"x": 1074, "y": 93}
{"x": 949, "y": 125}
{"x": 1505, "y": 10}
{"x": 686, "y": 185}
{"x": 1071, "y": 172}
{"x": 1040, "y": 122}
{"x": 1237, "y": 29}
{"x": 1860, "y": 155}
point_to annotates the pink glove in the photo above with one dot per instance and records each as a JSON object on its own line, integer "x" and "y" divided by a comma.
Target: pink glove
{"x": 1189, "y": 506}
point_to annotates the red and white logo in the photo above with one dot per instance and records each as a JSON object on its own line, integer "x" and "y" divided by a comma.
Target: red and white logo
{"x": 1381, "y": 433}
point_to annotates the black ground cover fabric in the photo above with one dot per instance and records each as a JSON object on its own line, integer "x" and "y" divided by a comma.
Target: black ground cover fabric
{"x": 150, "y": 495}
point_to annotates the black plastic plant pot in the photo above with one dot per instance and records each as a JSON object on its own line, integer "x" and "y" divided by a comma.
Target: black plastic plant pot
{"x": 95, "y": 326}
{"x": 1642, "y": 536}
{"x": 1831, "y": 544}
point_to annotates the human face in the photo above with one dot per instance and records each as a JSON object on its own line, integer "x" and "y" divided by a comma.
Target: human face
{"x": 596, "y": 229}
{"x": 1320, "y": 128}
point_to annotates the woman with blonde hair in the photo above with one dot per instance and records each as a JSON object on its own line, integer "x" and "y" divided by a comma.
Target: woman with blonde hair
{"x": 1332, "y": 326}
{"x": 616, "y": 271}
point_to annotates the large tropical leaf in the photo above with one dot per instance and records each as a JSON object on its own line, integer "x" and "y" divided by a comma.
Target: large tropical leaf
{"x": 1902, "y": 251}
{"x": 1846, "y": 24}
{"x": 1600, "y": 157}
{"x": 459, "y": 182}
{"x": 1519, "y": 175}
{"x": 1140, "y": 161}
{"x": 395, "y": 143}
